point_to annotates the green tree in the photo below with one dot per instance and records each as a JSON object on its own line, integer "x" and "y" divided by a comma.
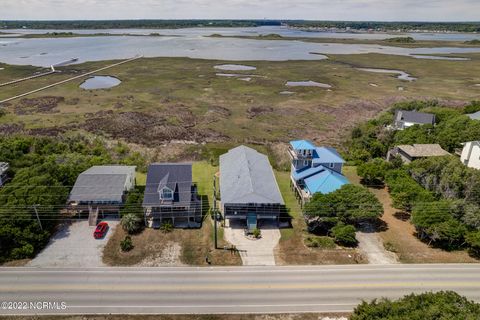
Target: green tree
{"x": 374, "y": 171}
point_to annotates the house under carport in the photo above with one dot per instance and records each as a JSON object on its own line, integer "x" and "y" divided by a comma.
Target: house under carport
{"x": 248, "y": 188}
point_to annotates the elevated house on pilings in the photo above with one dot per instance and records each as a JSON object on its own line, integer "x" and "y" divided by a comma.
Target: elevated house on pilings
{"x": 101, "y": 190}
{"x": 171, "y": 196}
{"x": 314, "y": 169}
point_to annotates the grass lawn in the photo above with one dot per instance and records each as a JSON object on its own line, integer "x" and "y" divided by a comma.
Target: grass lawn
{"x": 292, "y": 249}
{"x": 400, "y": 234}
{"x": 178, "y": 247}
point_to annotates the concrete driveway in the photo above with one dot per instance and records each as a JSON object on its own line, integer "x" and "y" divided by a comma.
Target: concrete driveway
{"x": 257, "y": 252}
{"x": 74, "y": 246}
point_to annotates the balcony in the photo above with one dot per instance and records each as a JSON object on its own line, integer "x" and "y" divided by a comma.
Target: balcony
{"x": 294, "y": 155}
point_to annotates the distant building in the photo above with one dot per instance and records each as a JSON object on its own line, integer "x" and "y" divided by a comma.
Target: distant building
{"x": 248, "y": 188}
{"x": 471, "y": 154}
{"x": 404, "y": 119}
{"x": 474, "y": 116}
{"x": 4, "y": 167}
{"x": 170, "y": 195}
{"x": 315, "y": 169}
{"x": 408, "y": 153}
{"x": 102, "y": 189}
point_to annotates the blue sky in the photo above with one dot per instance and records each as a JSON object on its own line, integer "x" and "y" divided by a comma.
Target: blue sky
{"x": 397, "y": 10}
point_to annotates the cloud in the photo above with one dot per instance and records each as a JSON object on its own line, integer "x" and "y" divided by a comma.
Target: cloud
{"x": 424, "y": 10}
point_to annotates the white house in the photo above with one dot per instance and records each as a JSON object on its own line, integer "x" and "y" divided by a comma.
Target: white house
{"x": 471, "y": 154}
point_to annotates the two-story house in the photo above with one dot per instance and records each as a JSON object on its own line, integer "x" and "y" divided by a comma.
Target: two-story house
{"x": 315, "y": 169}
{"x": 170, "y": 195}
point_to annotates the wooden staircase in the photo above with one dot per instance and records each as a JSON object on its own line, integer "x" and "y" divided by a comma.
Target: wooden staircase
{"x": 92, "y": 216}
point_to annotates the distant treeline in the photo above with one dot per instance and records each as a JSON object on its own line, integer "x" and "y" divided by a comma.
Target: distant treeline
{"x": 390, "y": 26}
{"x": 134, "y": 24}
{"x": 173, "y": 24}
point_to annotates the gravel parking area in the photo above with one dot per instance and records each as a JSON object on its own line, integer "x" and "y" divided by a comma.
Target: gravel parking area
{"x": 74, "y": 246}
{"x": 254, "y": 252}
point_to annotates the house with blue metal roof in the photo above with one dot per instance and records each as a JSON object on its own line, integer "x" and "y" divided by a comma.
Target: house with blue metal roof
{"x": 315, "y": 169}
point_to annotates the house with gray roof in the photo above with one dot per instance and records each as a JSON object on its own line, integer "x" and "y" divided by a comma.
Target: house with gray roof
{"x": 408, "y": 153}
{"x": 404, "y": 119}
{"x": 103, "y": 185}
{"x": 474, "y": 116}
{"x": 4, "y": 167}
{"x": 170, "y": 195}
{"x": 101, "y": 189}
{"x": 248, "y": 188}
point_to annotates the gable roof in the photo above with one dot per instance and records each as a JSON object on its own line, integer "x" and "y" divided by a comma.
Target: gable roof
{"x": 325, "y": 181}
{"x": 175, "y": 176}
{"x": 423, "y": 150}
{"x": 327, "y": 155}
{"x": 101, "y": 184}
{"x": 247, "y": 177}
{"x": 302, "y": 145}
{"x": 414, "y": 117}
{"x": 474, "y": 116}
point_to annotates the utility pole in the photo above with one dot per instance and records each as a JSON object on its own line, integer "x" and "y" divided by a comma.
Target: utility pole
{"x": 38, "y": 218}
{"x": 215, "y": 211}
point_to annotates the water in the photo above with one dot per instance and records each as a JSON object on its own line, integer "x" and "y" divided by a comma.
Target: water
{"x": 192, "y": 43}
{"x": 252, "y": 31}
{"x": 235, "y": 67}
{"x": 402, "y": 75}
{"x": 100, "y": 82}
{"x": 307, "y": 84}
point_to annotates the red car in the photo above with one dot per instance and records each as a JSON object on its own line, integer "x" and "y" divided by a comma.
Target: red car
{"x": 101, "y": 230}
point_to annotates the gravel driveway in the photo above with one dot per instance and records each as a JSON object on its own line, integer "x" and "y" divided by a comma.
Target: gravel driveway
{"x": 371, "y": 245}
{"x": 74, "y": 246}
{"x": 254, "y": 252}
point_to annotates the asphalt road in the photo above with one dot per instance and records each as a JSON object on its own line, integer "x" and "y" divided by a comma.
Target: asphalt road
{"x": 224, "y": 290}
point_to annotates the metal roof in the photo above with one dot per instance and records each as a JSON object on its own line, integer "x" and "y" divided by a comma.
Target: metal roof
{"x": 414, "y": 117}
{"x": 327, "y": 155}
{"x": 325, "y": 182}
{"x": 175, "y": 176}
{"x": 102, "y": 184}
{"x": 246, "y": 176}
{"x": 302, "y": 145}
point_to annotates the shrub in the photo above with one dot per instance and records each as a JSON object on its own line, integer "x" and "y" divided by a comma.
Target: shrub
{"x": 126, "y": 244}
{"x": 132, "y": 223}
{"x": 427, "y": 306}
{"x": 473, "y": 240}
{"x": 166, "y": 227}
{"x": 344, "y": 235}
{"x": 319, "y": 242}
{"x": 256, "y": 233}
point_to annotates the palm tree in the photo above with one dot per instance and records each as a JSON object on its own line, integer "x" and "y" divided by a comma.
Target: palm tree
{"x": 131, "y": 223}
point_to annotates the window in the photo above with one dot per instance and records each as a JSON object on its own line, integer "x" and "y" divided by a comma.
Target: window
{"x": 305, "y": 162}
{"x": 166, "y": 194}
{"x": 332, "y": 165}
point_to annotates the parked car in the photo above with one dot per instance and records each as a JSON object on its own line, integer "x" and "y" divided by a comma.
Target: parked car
{"x": 101, "y": 230}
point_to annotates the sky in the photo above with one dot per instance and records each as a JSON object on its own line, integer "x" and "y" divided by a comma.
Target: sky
{"x": 378, "y": 10}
